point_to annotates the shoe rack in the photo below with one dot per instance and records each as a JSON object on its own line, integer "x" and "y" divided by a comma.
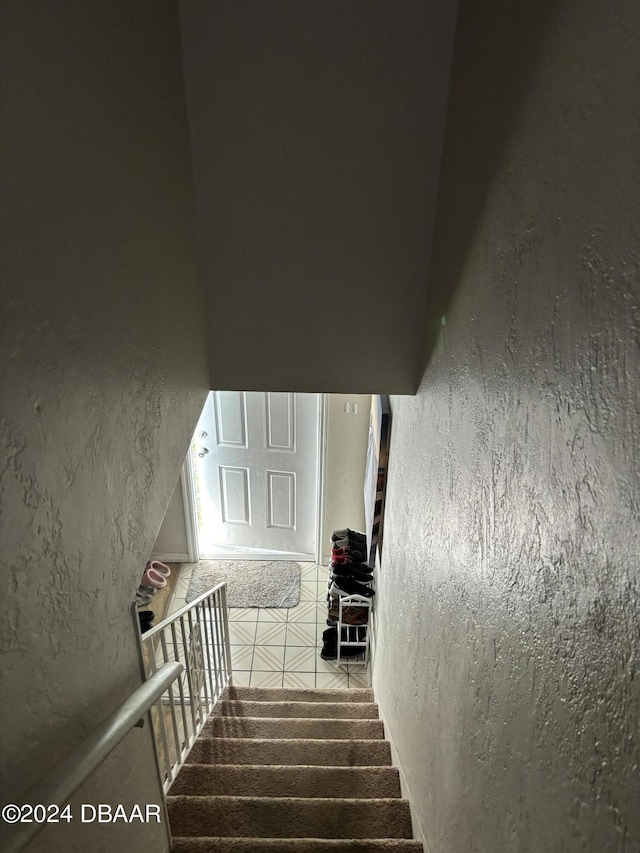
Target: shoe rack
{"x": 349, "y": 598}
{"x": 353, "y": 637}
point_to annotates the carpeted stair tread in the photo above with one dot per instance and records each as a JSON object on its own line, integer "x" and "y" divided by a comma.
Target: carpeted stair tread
{"x": 286, "y": 694}
{"x": 289, "y": 727}
{"x": 287, "y": 781}
{"x": 295, "y": 845}
{"x": 328, "y": 710}
{"x": 340, "y": 753}
{"x": 290, "y": 817}
{"x": 291, "y": 771}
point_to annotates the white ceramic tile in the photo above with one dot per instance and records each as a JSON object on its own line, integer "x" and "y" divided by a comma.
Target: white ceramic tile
{"x": 186, "y": 570}
{"x": 358, "y": 679}
{"x": 241, "y": 657}
{"x": 176, "y": 604}
{"x": 273, "y": 614}
{"x": 308, "y": 591}
{"x": 242, "y": 633}
{"x": 266, "y": 679}
{"x": 299, "y": 679}
{"x": 300, "y": 659}
{"x": 182, "y": 585}
{"x": 271, "y": 634}
{"x": 307, "y": 571}
{"x": 322, "y": 614}
{"x": 304, "y": 612}
{"x": 301, "y": 634}
{"x": 320, "y": 628}
{"x": 268, "y": 658}
{"x": 243, "y": 614}
{"x": 322, "y": 610}
{"x": 241, "y": 678}
{"x": 334, "y": 680}
{"x": 326, "y": 667}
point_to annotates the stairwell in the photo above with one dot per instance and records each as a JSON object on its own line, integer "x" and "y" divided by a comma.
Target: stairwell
{"x": 303, "y": 771}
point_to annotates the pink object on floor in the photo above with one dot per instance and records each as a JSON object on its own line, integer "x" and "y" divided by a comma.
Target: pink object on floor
{"x": 164, "y": 570}
{"x": 152, "y": 577}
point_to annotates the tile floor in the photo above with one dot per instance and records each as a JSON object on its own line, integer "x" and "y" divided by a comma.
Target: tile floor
{"x": 281, "y": 647}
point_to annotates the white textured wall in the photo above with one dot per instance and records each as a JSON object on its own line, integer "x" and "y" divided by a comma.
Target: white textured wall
{"x": 103, "y": 374}
{"x": 347, "y": 437}
{"x": 508, "y": 598}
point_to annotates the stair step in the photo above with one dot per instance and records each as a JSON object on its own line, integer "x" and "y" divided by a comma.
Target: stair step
{"x": 328, "y": 753}
{"x": 279, "y": 694}
{"x": 330, "y": 710}
{"x": 242, "y": 780}
{"x": 289, "y": 817}
{"x": 295, "y": 845}
{"x": 266, "y": 727}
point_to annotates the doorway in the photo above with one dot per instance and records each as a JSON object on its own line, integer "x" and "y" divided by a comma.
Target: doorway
{"x": 256, "y": 462}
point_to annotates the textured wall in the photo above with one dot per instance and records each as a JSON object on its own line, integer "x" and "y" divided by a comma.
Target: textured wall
{"x": 103, "y": 374}
{"x": 509, "y": 599}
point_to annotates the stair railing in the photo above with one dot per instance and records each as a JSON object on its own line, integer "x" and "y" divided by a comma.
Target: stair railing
{"x": 197, "y": 636}
{"x": 57, "y": 786}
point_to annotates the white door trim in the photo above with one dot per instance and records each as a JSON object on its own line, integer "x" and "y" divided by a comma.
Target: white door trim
{"x": 190, "y": 507}
{"x": 323, "y": 409}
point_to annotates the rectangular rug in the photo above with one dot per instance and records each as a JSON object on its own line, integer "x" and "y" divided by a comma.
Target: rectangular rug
{"x": 250, "y": 583}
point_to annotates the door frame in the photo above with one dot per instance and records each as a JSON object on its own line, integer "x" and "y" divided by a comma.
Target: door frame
{"x": 323, "y": 410}
{"x": 191, "y": 506}
{"x": 187, "y": 480}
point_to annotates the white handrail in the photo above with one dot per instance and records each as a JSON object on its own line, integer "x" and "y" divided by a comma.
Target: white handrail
{"x": 197, "y": 635}
{"x": 178, "y": 613}
{"x": 63, "y": 780}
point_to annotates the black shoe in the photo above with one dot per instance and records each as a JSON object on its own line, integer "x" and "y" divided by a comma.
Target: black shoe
{"x": 346, "y": 586}
{"x": 146, "y": 616}
{"x": 352, "y": 571}
{"x": 357, "y": 539}
{"x": 331, "y": 652}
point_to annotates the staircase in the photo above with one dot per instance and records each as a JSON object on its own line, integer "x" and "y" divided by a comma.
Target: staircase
{"x": 303, "y": 771}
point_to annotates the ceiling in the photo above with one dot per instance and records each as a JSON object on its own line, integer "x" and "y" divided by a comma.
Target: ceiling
{"x": 317, "y": 131}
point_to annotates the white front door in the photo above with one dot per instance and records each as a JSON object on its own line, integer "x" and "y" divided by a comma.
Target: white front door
{"x": 255, "y": 460}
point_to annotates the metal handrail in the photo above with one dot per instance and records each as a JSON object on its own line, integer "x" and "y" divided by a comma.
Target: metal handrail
{"x": 178, "y": 613}
{"x": 65, "y": 778}
{"x": 197, "y": 635}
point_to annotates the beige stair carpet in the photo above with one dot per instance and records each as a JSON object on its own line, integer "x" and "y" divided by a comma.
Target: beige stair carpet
{"x": 291, "y": 771}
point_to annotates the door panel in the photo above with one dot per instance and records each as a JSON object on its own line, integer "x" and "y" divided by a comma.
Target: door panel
{"x": 230, "y": 418}
{"x": 235, "y": 500}
{"x": 256, "y": 461}
{"x": 281, "y": 500}
{"x": 280, "y": 422}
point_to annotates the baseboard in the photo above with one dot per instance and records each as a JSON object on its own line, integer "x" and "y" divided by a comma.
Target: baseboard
{"x": 171, "y": 558}
{"x": 418, "y": 831}
{"x": 264, "y": 556}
